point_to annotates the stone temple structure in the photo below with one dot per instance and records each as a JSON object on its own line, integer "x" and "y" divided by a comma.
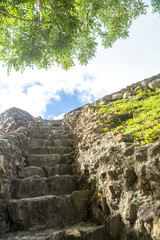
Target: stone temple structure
{"x": 63, "y": 180}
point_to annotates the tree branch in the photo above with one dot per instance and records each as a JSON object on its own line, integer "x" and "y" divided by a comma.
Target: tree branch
{"x": 41, "y": 10}
{"x": 52, "y": 3}
{"x": 111, "y": 8}
{"x": 87, "y": 15}
{"x": 22, "y": 19}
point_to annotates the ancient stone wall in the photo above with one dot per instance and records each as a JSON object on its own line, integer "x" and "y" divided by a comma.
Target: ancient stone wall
{"x": 124, "y": 175}
{"x": 149, "y": 83}
{"x": 13, "y": 119}
{"x": 15, "y": 128}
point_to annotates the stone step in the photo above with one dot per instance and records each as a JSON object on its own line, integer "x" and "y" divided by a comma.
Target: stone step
{"x": 50, "y": 123}
{"x": 85, "y": 231}
{"x": 63, "y": 142}
{"x": 51, "y": 137}
{"x": 59, "y": 169}
{"x": 37, "y": 186}
{"x": 30, "y": 171}
{"x": 50, "y": 160}
{"x": 54, "y": 131}
{"x": 49, "y": 130}
{"x": 81, "y": 233}
{"x": 36, "y": 142}
{"x": 49, "y": 211}
{"x": 48, "y": 150}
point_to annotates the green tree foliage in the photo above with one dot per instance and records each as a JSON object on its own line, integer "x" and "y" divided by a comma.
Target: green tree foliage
{"x": 44, "y": 32}
{"x": 156, "y": 5}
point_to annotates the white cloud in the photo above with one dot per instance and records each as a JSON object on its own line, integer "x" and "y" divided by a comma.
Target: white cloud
{"x": 52, "y": 117}
{"x": 33, "y": 100}
{"x": 128, "y": 61}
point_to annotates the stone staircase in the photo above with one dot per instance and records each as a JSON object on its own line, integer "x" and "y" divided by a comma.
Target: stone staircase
{"x": 46, "y": 200}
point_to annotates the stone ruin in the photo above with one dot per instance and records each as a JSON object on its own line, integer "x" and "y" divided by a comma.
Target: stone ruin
{"x": 62, "y": 180}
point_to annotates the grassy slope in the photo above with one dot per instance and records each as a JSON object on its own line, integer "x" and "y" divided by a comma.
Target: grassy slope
{"x": 139, "y": 116}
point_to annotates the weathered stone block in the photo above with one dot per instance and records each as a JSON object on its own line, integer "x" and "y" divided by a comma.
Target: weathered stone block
{"x": 127, "y": 94}
{"x": 47, "y": 211}
{"x": 154, "y": 84}
{"x": 117, "y": 96}
{"x": 144, "y": 85}
{"x": 50, "y": 150}
{"x": 138, "y": 88}
{"x": 60, "y": 169}
{"x": 141, "y": 154}
{"x": 25, "y": 172}
{"x": 154, "y": 150}
{"x": 115, "y": 227}
{"x": 38, "y": 186}
{"x": 129, "y": 150}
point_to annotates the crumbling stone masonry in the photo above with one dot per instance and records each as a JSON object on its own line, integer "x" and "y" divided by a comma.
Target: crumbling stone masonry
{"x": 63, "y": 180}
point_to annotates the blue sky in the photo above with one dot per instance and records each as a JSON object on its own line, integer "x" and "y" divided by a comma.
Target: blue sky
{"x": 52, "y": 93}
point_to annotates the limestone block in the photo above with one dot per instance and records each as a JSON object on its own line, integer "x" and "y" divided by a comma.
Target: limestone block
{"x": 115, "y": 226}
{"x": 107, "y": 98}
{"x": 38, "y": 186}
{"x": 103, "y": 102}
{"x": 144, "y": 85}
{"x": 140, "y": 154}
{"x": 47, "y": 210}
{"x": 155, "y": 150}
{"x": 154, "y": 84}
{"x": 138, "y": 88}
{"x": 117, "y": 96}
{"x": 28, "y": 187}
{"x": 80, "y": 198}
{"x": 129, "y": 150}
{"x": 127, "y": 94}
{"x": 59, "y": 169}
{"x": 25, "y": 172}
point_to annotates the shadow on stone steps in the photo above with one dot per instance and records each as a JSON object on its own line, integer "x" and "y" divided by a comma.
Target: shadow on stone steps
{"x": 79, "y": 232}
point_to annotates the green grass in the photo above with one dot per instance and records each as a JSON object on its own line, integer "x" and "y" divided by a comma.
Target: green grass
{"x": 139, "y": 116}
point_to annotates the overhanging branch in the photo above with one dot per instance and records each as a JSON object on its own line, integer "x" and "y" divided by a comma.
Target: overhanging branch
{"x": 52, "y": 3}
{"x": 41, "y": 9}
{"x": 111, "y": 8}
{"x": 22, "y": 19}
{"x": 87, "y": 15}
